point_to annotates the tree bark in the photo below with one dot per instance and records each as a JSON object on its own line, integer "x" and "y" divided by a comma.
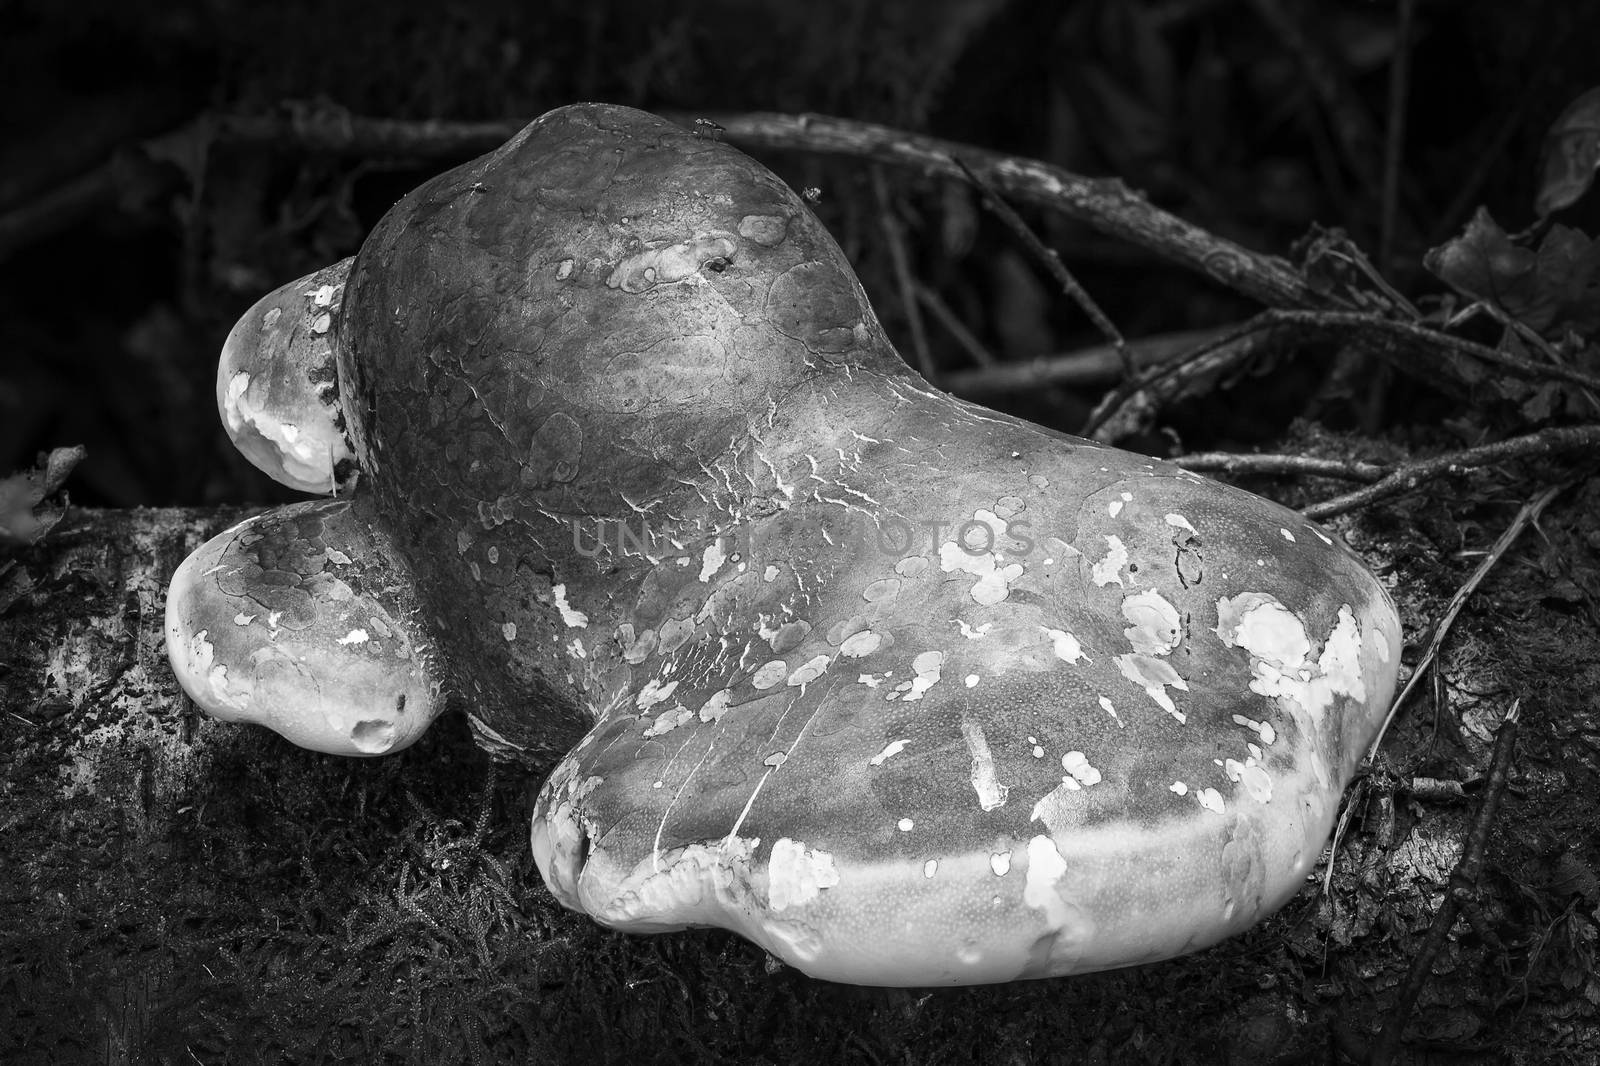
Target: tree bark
{"x": 174, "y": 889}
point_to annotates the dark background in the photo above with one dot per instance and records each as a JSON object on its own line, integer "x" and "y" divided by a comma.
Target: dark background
{"x": 111, "y": 314}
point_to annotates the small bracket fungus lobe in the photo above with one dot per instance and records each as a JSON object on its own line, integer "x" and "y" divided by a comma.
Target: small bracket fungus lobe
{"x": 604, "y": 410}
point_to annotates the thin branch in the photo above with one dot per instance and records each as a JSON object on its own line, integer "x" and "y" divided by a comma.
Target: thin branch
{"x": 1052, "y": 263}
{"x": 956, "y": 328}
{"x": 902, "y": 274}
{"x": 1410, "y": 476}
{"x": 1419, "y": 339}
{"x": 1221, "y": 351}
{"x": 1387, "y": 337}
{"x": 1095, "y": 365}
{"x": 1463, "y": 881}
{"x": 1529, "y": 513}
{"x": 1228, "y": 463}
{"x": 1104, "y": 204}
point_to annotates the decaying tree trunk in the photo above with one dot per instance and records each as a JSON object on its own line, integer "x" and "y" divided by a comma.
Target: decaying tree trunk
{"x": 174, "y": 889}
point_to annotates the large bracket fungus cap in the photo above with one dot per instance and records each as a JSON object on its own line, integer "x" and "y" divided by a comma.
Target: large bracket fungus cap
{"x": 277, "y": 388}
{"x": 907, "y": 691}
{"x": 301, "y": 620}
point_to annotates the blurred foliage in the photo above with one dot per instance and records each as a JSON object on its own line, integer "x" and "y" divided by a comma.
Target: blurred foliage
{"x": 1252, "y": 119}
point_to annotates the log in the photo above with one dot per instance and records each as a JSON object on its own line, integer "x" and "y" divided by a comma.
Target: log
{"x": 177, "y": 890}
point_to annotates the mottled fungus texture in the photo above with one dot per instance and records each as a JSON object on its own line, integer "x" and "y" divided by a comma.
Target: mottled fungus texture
{"x": 906, "y": 691}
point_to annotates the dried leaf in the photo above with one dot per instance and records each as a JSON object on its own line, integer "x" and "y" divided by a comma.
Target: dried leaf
{"x": 1481, "y": 263}
{"x": 1552, "y": 288}
{"x": 1570, "y": 155}
{"x": 24, "y": 491}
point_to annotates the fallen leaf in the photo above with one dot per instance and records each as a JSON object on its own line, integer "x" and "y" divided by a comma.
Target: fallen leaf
{"x": 1570, "y": 155}
{"x": 24, "y": 492}
{"x": 1552, "y": 288}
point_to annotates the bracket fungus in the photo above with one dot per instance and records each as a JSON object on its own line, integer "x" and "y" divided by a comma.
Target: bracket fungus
{"x": 906, "y": 691}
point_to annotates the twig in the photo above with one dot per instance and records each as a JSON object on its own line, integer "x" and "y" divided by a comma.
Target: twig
{"x": 1530, "y": 512}
{"x": 1224, "y": 350}
{"x": 1394, "y": 141}
{"x": 1409, "y": 476}
{"x": 1052, "y": 263}
{"x": 1358, "y": 793}
{"x": 1095, "y": 365}
{"x": 902, "y": 274}
{"x": 1462, "y": 882}
{"x": 1103, "y": 204}
{"x": 1228, "y": 463}
{"x": 1106, "y": 205}
{"x": 1436, "y": 790}
{"x": 1418, "y": 339}
{"x": 1388, "y": 337}
{"x": 956, "y": 328}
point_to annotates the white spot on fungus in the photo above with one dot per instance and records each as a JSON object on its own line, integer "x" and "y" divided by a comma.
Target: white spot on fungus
{"x": 972, "y": 680}
{"x": 974, "y": 634}
{"x": 668, "y": 720}
{"x": 575, "y": 619}
{"x": 1177, "y": 521}
{"x": 654, "y": 692}
{"x": 711, "y": 560}
{"x": 1279, "y": 651}
{"x": 1254, "y": 778}
{"x": 930, "y": 868}
{"x": 1067, "y": 648}
{"x": 1210, "y": 799}
{"x": 890, "y": 750}
{"x": 1045, "y": 867}
{"x": 1153, "y": 623}
{"x": 1155, "y": 676}
{"x": 860, "y": 645}
{"x": 905, "y": 825}
{"x": 991, "y": 793}
{"x": 1076, "y": 763}
{"x": 927, "y": 666}
{"x": 509, "y": 631}
{"x": 1178, "y": 787}
{"x": 1380, "y": 647}
{"x": 770, "y": 674}
{"x": 1000, "y": 863}
{"x": 994, "y": 581}
{"x": 1109, "y": 569}
{"x": 796, "y": 876}
{"x": 809, "y": 671}
{"x": 716, "y": 706}
{"x": 355, "y": 636}
{"x": 1263, "y": 730}
{"x": 242, "y": 619}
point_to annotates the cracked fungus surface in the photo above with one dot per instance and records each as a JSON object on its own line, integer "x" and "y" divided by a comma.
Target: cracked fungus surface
{"x": 904, "y": 690}
{"x": 296, "y": 620}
